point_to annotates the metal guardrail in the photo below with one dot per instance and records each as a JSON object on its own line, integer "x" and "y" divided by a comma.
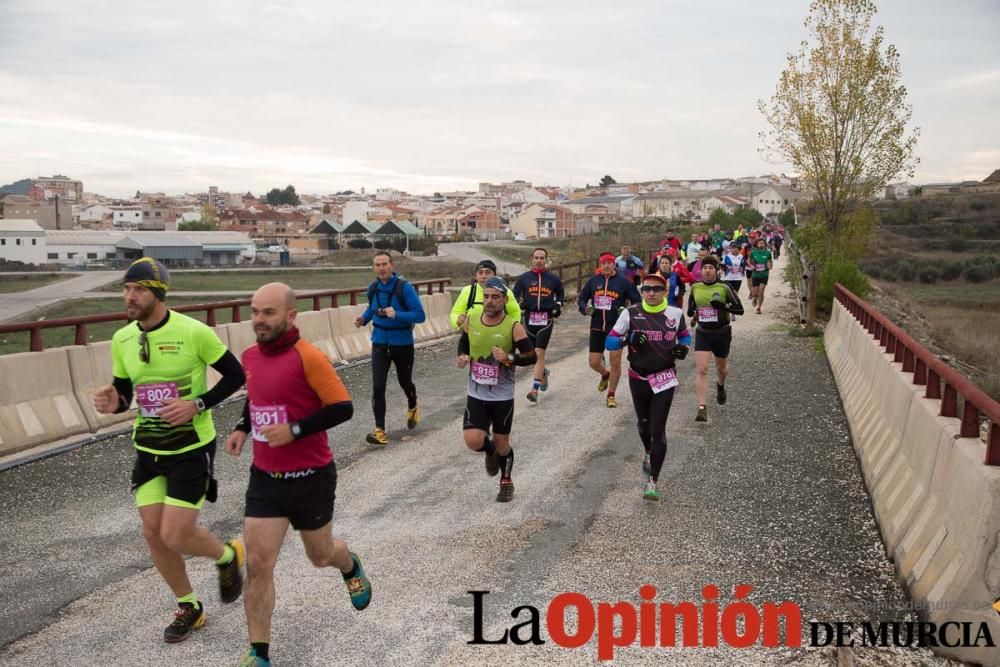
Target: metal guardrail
{"x": 80, "y": 323}
{"x": 941, "y": 380}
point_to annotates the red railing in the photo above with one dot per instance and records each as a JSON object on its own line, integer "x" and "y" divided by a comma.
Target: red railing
{"x": 80, "y": 323}
{"x": 942, "y": 381}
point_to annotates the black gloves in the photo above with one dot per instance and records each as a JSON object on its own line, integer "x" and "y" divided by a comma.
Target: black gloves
{"x": 719, "y": 305}
{"x": 557, "y": 310}
{"x": 680, "y": 351}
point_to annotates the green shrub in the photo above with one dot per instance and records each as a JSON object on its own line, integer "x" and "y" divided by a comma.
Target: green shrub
{"x": 929, "y": 275}
{"x": 977, "y": 205}
{"x": 952, "y": 270}
{"x": 840, "y": 270}
{"x": 906, "y": 272}
{"x": 958, "y": 244}
{"x": 873, "y": 270}
{"x": 978, "y": 273}
{"x": 890, "y": 275}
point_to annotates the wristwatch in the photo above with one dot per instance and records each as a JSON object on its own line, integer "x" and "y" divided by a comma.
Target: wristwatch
{"x": 296, "y": 430}
{"x": 200, "y": 404}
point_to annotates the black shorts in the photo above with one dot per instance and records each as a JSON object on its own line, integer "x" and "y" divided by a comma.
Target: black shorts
{"x": 734, "y": 285}
{"x": 597, "y": 338}
{"x": 480, "y": 414}
{"x": 189, "y": 475}
{"x": 716, "y": 341}
{"x": 759, "y": 281}
{"x": 306, "y": 501}
{"x": 539, "y": 336}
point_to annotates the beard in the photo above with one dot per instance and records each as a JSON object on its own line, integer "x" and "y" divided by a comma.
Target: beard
{"x": 271, "y": 334}
{"x": 141, "y": 312}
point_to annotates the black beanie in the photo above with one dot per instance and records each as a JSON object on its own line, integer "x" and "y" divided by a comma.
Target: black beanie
{"x": 487, "y": 264}
{"x": 149, "y": 273}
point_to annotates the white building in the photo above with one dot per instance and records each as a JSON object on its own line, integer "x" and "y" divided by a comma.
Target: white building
{"x": 126, "y": 217}
{"x": 388, "y": 194}
{"x": 79, "y": 248}
{"x": 355, "y": 210}
{"x": 94, "y": 213}
{"x": 22, "y": 241}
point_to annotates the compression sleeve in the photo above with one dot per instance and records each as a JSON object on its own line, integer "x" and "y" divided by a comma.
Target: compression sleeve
{"x": 525, "y": 353}
{"x": 124, "y": 388}
{"x": 463, "y": 343}
{"x": 244, "y": 423}
{"x": 327, "y": 417}
{"x": 232, "y": 379}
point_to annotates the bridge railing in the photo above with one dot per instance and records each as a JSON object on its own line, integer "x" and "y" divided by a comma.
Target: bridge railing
{"x": 79, "y": 323}
{"x": 942, "y": 382}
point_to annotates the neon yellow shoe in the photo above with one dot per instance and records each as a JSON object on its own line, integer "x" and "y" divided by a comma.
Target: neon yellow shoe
{"x": 612, "y": 403}
{"x": 602, "y": 386}
{"x": 377, "y": 437}
{"x": 413, "y": 417}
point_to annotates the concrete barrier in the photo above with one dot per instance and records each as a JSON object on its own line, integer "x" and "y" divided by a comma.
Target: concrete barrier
{"x": 89, "y": 368}
{"x": 37, "y": 403}
{"x": 238, "y": 336}
{"x": 936, "y": 503}
{"x": 352, "y": 342}
{"x": 314, "y": 325}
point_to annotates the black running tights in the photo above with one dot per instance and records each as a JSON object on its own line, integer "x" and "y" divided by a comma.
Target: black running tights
{"x": 652, "y": 411}
{"x": 382, "y": 356}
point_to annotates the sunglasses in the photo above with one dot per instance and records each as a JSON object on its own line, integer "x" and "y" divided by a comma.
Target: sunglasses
{"x": 652, "y": 288}
{"x": 143, "y": 348}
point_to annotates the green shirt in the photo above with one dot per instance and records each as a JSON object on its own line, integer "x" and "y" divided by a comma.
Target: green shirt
{"x": 489, "y": 380}
{"x": 760, "y": 258}
{"x": 461, "y": 305}
{"x": 179, "y": 352}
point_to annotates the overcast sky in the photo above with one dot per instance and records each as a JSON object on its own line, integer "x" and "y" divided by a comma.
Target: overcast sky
{"x": 433, "y": 95}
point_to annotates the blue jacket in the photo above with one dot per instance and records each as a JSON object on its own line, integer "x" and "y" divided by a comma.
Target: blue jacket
{"x": 398, "y": 330}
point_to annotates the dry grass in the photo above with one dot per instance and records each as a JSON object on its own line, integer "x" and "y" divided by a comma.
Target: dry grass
{"x": 973, "y": 336}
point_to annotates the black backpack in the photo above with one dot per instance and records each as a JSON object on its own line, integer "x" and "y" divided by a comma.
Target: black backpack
{"x": 397, "y": 290}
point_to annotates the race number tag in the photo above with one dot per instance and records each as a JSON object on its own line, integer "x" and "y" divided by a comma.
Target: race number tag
{"x": 707, "y": 314}
{"x": 663, "y": 380}
{"x": 485, "y": 373}
{"x": 736, "y": 270}
{"x": 538, "y": 319}
{"x": 151, "y": 397}
{"x": 266, "y": 415}
{"x": 603, "y": 302}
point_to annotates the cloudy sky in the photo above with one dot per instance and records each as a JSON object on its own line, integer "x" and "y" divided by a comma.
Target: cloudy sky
{"x": 436, "y": 95}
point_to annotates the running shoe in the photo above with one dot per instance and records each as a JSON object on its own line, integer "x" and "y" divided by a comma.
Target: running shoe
{"x": 646, "y": 466}
{"x": 702, "y": 414}
{"x": 720, "y": 394}
{"x": 231, "y": 574}
{"x": 377, "y": 437}
{"x": 251, "y": 659}
{"x": 492, "y": 463}
{"x": 358, "y": 586}
{"x": 187, "y": 619}
{"x": 533, "y": 395}
{"x": 545, "y": 380}
{"x": 413, "y": 417}
{"x": 602, "y": 386}
{"x": 612, "y": 403}
{"x": 649, "y": 491}
{"x": 506, "y": 492}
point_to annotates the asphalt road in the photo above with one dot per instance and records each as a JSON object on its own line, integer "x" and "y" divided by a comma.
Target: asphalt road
{"x": 768, "y": 493}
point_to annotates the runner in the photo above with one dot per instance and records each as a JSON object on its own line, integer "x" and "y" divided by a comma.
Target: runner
{"x": 540, "y": 295}
{"x": 489, "y": 342}
{"x": 710, "y": 306}
{"x": 761, "y": 264}
{"x": 679, "y": 278}
{"x": 161, "y": 357}
{"x": 655, "y": 334}
{"x": 470, "y": 299}
{"x": 602, "y": 298}
{"x": 691, "y": 250}
{"x": 629, "y": 265}
{"x": 732, "y": 266}
{"x": 777, "y": 240}
{"x": 393, "y": 309}
{"x": 293, "y": 397}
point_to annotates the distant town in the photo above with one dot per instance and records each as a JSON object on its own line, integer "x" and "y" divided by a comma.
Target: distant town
{"x": 54, "y": 222}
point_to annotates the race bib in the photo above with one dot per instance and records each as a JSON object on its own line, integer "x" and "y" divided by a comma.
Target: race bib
{"x": 663, "y": 380}
{"x": 151, "y": 397}
{"x": 538, "y": 319}
{"x": 603, "y": 302}
{"x": 707, "y": 314}
{"x": 736, "y": 271}
{"x": 483, "y": 373}
{"x": 266, "y": 415}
